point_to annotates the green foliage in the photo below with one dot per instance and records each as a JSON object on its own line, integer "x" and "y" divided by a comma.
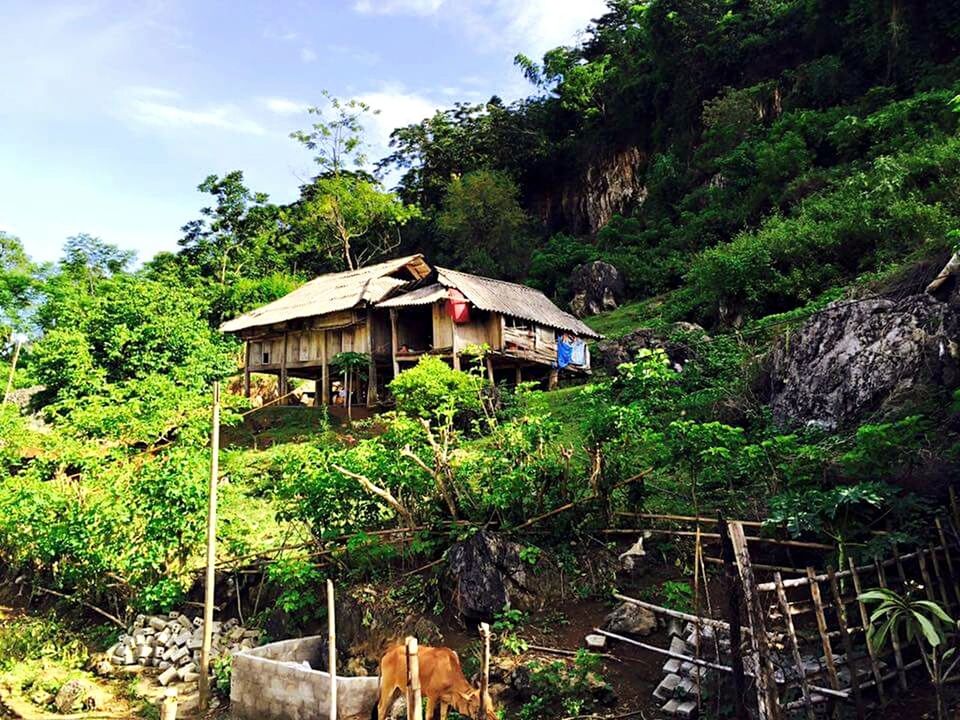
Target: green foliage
{"x": 562, "y": 688}
{"x": 432, "y": 389}
{"x": 298, "y": 580}
{"x": 677, "y": 595}
{"x": 23, "y": 639}
{"x": 483, "y": 226}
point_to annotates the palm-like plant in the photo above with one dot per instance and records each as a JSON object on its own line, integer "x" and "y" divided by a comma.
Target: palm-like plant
{"x": 925, "y": 622}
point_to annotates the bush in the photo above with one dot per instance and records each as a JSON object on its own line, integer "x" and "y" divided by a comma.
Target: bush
{"x": 432, "y": 389}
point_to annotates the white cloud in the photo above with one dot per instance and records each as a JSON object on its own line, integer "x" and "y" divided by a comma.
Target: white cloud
{"x": 397, "y": 107}
{"x": 163, "y": 108}
{"x": 307, "y": 55}
{"x": 284, "y": 106}
{"x": 397, "y": 7}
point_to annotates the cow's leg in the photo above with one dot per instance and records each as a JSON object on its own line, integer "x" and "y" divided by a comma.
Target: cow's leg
{"x": 431, "y": 709}
{"x": 386, "y": 700}
{"x": 444, "y": 709}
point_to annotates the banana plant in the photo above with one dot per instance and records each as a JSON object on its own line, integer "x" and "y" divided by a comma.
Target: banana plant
{"x": 926, "y": 623}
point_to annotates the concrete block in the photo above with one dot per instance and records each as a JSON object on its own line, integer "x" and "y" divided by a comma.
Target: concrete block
{"x": 183, "y": 670}
{"x": 672, "y": 666}
{"x": 687, "y": 709}
{"x": 140, "y": 621}
{"x": 665, "y": 690}
{"x": 182, "y": 639}
{"x": 177, "y": 653}
{"x": 167, "y": 676}
{"x": 184, "y": 622}
{"x": 194, "y": 643}
{"x": 679, "y": 647}
{"x": 595, "y": 642}
{"x": 157, "y": 623}
{"x": 126, "y": 656}
{"x": 686, "y": 689}
{"x": 163, "y": 637}
{"x": 145, "y": 651}
{"x": 198, "y": 621}
{"x": 191, "y": 677}
{"x": 163, "y": 664}
{"x": 173, "y": 614}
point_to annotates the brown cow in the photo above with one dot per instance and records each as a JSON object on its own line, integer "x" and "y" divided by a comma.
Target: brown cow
{"x": 441, "y": 683}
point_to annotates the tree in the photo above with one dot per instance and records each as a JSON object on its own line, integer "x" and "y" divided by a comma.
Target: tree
{"x": 234, "y": 231}
{"x": 344, "y": 207}
{"x": 90, "y": 259}
{"x": 18, "y": 283}
{"x": 485, "y": 228}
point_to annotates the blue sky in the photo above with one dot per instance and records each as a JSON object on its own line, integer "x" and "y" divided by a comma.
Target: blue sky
{"x": 113, "y": 111}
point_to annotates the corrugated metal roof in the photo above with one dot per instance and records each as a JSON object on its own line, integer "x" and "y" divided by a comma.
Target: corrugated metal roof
{"x": 512, "y": 299}
{"x": 426, "y": 295}
{"x": 332, "y": 293}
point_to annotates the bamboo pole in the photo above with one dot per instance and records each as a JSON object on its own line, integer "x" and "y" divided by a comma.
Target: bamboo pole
{"x": 204, "y": 687}
{"x": 484, "y": 670}
{"x": 894, "y": 635}
{"x": 678, "y": 614}
{"x": 799, "y": 582}
{"x": 946, "y": 554}
{"x": 822, "y": 629}
{"x": 733, "y": 587}
{"x": 332, "y": 648}
{"x": 925, "y": 574}
{"x": 414, "y": 698}
{"x": 941, "y": 580}
{"x": 13, "y": 370}
{"x": 865, "y": 624}
{"x": 840, "y": 694}
{"x": 696, "y": 611}
{"x": 840, "y": 611}
{"x": 794, "y": 646}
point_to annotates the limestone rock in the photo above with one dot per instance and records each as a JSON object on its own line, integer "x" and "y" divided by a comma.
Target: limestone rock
{"x": 597, "y": 287}
{"x": 614, "y": 351}
{"x": 855, "y": 358}
{"x": 70, "y": 695}
{"x": 488, "y": 574}
{"x": 630, "y": 619}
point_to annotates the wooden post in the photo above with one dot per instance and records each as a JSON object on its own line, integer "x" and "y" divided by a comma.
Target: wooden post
{"x": 794, "y": 645}
{"x": 518, "y": 375}
{"x": 484, "y": 669}
{"x": 324, "y": 372}
{"x": 553, "y": 379}
{"x": 865, "y": 624}
{"x": 372, "y": 397}
{"x": 946, "y": 554}
{"x": 696, "y": 611}
{"x": 204, "y": 688}
{"x": 894, "y": 635}
{"x": 822, "y": 628}
{"x": 456, "y": 349}
{"x": 925, "y": 574}
{"x": 768, "y": 704}
{"x": 282, "y": 388}
{"x": 840, "y": 611}
{"x": 168, "y": 707}
{"x": 13, "y": 370}
{"x": 246, "y": 368}
{"x": 393, "y": 342}
{"x": 490, "y": 370}
{"x": 733, "y": 618}
{"x": 332, "y": 648}
{"x": 414, "y": 698}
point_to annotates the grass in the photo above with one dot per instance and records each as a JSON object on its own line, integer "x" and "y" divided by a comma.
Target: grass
{"x": 566, "y": 405}
{"x": 626, "y": 318}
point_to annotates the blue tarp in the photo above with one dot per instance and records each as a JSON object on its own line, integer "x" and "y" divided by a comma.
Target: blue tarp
{"x": 564, "y": 353}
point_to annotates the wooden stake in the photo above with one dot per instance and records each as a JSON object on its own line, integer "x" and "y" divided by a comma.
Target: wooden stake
{"x": 393, "y": 342}
{"x": 484, "y": 670}
{"x": 324, "y": 371}
{"x": 414, "y": 698}
{"x": 490, "y": 370}
{"x": 332, "y": 648}
{"x": 733, "y": 618}
{"x": 768, "y": 704}
{"x": 822, "y": 628}
{"x": 794, "y": 645}
{"x": 894, "y": 635}
{"x": 946, "y": 554}
{"x": 865, "y": 624}
{"x": 925, "y": 574}
{"x": 840, "y": 611}
{"x": 13, "y": 370}
{"x": 282, "y": 390}
{"x": 246, "y": 368}
{"x": 204, "y": 688}
{"x": 696, "y": 610}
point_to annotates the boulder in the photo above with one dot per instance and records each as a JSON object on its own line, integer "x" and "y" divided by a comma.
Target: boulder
{"x": 614, "y": 351}
{"x": 629, "y": 619}
{"x": 864, "y": 357}
{"x": 71, "y": 694}
{"x": 597, "y": 287}
{"x": 487, "y": 575}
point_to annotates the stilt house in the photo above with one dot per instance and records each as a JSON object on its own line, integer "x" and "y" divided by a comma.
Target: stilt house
{"x": 400, "y": 310}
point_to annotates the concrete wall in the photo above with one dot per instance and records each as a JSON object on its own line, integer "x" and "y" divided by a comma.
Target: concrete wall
{"x": 262, "y": 687}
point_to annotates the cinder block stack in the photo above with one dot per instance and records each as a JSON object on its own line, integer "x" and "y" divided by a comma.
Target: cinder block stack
{"x": 678, "y": 689}
{"x": 171, "y": 644}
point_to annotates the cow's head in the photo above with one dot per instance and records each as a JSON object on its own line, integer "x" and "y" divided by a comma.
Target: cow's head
{"x": 469, "y": 704}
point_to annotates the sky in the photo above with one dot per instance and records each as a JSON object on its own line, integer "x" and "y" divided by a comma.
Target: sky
{"x": 113, "y": 111}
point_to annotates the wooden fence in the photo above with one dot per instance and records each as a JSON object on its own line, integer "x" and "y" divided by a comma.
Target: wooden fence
{"x": 794, "y": 641}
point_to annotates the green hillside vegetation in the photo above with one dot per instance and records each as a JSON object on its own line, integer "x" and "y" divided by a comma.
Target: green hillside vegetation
{"x": 796, "y": 152}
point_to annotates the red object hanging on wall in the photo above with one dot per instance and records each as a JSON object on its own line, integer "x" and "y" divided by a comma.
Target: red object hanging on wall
{"x": 458, "y": 307}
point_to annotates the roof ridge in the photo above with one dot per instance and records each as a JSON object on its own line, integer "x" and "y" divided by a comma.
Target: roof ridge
{"x": 490, "y": 279}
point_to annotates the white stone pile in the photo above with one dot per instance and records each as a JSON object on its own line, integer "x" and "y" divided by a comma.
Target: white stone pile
{"x": 678, "y": 690}
{"x": 171, "y": 644}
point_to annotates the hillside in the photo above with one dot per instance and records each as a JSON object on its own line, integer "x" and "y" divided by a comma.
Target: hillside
{"x": 775, "y": 183}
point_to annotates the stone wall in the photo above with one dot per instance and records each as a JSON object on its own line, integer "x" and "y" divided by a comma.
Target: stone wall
{"x": 270, "y": 683}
